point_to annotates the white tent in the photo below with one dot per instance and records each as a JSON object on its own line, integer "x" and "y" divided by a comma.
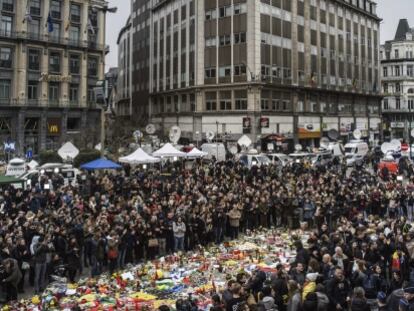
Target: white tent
{"x": 169, "y": 151}
{"x": 68, "y": 151}
{"x": 195, "y": 153}
{"x": 139, "y": 156}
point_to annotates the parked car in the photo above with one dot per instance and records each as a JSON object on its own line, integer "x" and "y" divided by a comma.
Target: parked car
{"x": 279, "y": 159}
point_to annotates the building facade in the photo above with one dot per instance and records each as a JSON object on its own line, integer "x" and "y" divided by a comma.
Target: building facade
{"x": 293, "y": 68}
{"x": 51, "y": 56}
{"x": 124, "y": 83}
{"x": 397, "y": 80}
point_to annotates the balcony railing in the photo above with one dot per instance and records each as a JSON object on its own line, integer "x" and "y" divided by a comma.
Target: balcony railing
{"x": 14, "y": 102}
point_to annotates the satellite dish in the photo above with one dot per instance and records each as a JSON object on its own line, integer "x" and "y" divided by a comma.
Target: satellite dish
{"x": 137, "y": 134}
{"x": 324, "y": 142}
{"x": 233, "y": 149}
{"x": 412, "y": 133}
{"x": 175, "y": 134}
{"x": 210, "y": 135}
{"x": 150, "y": 129}
{"x": 333, "y": 134}
{"x": 298, "y": 147}
{"x": 357, "y": 134}
{"x": 396, "y": 144}
{"x": 387, "y": 148}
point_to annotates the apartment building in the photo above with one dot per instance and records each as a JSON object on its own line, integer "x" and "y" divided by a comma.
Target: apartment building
{"x": 397, "y": 68}
{"x": 291, "y": 69}
{"x": 51, "y": 56}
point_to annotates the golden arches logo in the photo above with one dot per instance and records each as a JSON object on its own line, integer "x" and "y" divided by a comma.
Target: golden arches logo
{"x": 53, "y": 129}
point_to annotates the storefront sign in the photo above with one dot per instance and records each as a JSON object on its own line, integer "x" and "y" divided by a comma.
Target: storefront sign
{"x": 309, "y": 130}
{"x": 45, "y": 77}
{"x": 247, "y": 125}
{"x": 397, "y": 124}
{"x": 53, "y": 127}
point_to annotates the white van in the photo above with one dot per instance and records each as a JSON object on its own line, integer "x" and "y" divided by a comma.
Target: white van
{"x": 355, "y": 152}
{"x": 16, "y": 167}
{"x": 254, "y": 159}
{"x": 336, "y": 148}
{"x": 214, "y": 150}
{"x": 68, "y": 172}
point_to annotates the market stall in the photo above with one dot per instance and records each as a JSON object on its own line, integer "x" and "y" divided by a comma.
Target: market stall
{"x": 196, "y": 154}
{"x": 139, "y": 156}
{"x": 100, "y": 164}
{"x": 169, "y": 151}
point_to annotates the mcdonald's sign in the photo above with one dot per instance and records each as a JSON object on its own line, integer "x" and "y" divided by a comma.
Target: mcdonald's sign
{"x": 53, "y": 127}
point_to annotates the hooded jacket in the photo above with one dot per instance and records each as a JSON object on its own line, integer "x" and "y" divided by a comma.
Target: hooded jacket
{"x": 267, "y": 304}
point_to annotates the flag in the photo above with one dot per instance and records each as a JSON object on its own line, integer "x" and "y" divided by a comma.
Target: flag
{"x": 27, "y": 16}
{"x": 49, "y": 23}
{"x": 90, "y": 26}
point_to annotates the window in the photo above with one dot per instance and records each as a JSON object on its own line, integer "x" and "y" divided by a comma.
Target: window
{"x": 211, "y": 14}
{"x": 385, "y": 72}
{"x": 211, "y": 105}
{"x": 397, "y": 87}
{"x": 240, "y": 8}
{"x": 54, "y": 91}
{"x": 224, "y": 72}
{"x": 225, "y": 104}
{"x": 54, "y": 62}
{"x": 32, "y": 89}
{"x": 386, "y": 106}
{"x": 34, "y": 7}
{"x": 410, "y": 71}
{"x": 75, "y": 13}
{"x": 239, "y": 70}
{"x": 34, "y": 59}
{"x": 276, "y": 72}
{"x": 92, "y": 66}
{"x": 225, "y": 11}
{"x": 74, "y": 34}
{"x": 211, "y": 42}
{"x": 240, "y": 99}
{"x": 385, "y": 87}
{"x": 91, "y": 94}
{"x": 225, "y": 40}
{"x": 411, "y": 104}
{"x": 265, "y": 71}
{"x": 210, "y": 72}
{"x": 74, "y": 92}
{"x": 34, "y": 29}
{"x": 239, "y": 37}
{"x": 5, "y": 57}
{"x": 55, "y": 35}
{"x": 74, "y": 64}
{"x": 397, "y": 71}
{"x": 396, "y": 55}
{"x": 264, "y": 104}
{"x": 5, "y": 87}
{"x": 8, "y": 5}
{"x": 397, "y": 104}
{"x": 6, "y": 26}
{"x": 55, "y": 9}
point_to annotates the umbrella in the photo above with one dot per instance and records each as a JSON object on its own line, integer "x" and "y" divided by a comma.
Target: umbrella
{"x": 139, "y": 156}
{"x": 100, "y": 164}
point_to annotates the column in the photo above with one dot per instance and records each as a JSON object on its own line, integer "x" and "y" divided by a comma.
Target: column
{"x": 101, "y": 26}
{"x": 43, "y": 130}
{"x": 64, "y": 86}
{"x": 83, "y": 81}
{"x": 20, "y": 9}
{"x": 46, "y": 9}
{"x": 85, "y": 19}
{"x": 20, "y": 73}
{"x": 199, "y": 44}
{"x": 20, "y": 130}
{"x": 294, "y": 26}
{"x": 43, "y": 92}
{"x": 63, "y": 126}
{"x": 66, "y": 19}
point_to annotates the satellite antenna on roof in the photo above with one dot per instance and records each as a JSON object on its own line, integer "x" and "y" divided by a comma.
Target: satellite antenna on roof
{"x": 210, "y": 135}
{"x": 357, "y": 133}
{"x": 387, "y": 148}
{"x": 233, "y": 149}
{"x": 396, "y": 145}
{"x": 150, "y": 129}
{"x": 298, "y": 147}
{"x": 333, "y": 134}
{"x": 175, "y": 134}
{"x": 324, "y": 142}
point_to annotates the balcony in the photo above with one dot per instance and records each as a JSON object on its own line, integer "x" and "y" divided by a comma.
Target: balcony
{"x": 34, "y": 36}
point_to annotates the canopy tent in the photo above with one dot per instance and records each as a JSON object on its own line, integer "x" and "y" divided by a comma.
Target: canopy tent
{"x": 139, "y": 156}
{"x": 168, "y": 150}
{"x": 100, "y": 164}
{"x": 195, "y": 153}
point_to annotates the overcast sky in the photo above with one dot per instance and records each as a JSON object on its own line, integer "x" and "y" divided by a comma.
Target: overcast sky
{"x": 389, "y": 10}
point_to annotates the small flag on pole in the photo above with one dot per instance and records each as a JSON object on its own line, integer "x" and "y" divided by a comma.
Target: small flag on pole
{"x": 27, "y": 16}
{"x": 90, "y": 26}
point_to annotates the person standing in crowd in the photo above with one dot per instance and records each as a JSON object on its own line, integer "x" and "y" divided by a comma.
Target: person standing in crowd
{"x": 179, "y": 230}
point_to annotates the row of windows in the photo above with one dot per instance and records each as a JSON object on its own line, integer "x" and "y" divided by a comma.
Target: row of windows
{"x": 408, "y": 54}
{"x": 226, "y": 39}
{"x": 226, "y": 104}
{"x": 224, "y": 11}
{"x": 34, "y": 61}
{"x": 397, "y": 106}
{"x": 397, "y": 71}
{"x": 54, "y": 94}
{"x": 225, "y": 71}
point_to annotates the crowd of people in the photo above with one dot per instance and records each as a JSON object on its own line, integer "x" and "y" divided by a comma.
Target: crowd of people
{"x": 361, "y": 246}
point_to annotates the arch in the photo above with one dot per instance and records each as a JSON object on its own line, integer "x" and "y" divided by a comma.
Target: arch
{"x": 410, "y": 91}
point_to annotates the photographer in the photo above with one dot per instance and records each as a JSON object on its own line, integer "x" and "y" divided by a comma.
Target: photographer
{"x": 13, "y": 278}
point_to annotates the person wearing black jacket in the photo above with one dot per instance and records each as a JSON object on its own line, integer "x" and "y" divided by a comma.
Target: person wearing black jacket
{"x": 22, "y": 255}
{"x": 338, "y": 291}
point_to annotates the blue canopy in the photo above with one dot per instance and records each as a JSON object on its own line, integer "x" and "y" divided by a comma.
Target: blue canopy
{"x": 100, "y": 164}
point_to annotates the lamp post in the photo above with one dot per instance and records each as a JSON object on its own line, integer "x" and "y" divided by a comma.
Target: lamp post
{"x": 217, "y": 124}
{"x": 409, "y": 134}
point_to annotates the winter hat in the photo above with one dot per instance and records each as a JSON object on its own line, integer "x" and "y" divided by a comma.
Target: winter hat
{"x": 312, "y": 276}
